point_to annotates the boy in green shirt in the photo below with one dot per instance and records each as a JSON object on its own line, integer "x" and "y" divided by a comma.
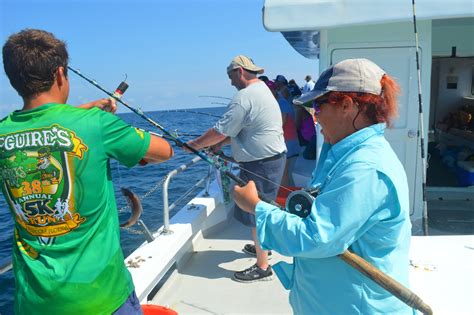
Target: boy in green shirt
{"x": 55, "y": 176}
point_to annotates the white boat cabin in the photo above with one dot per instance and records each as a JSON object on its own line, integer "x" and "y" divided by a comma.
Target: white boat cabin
{"x": 333, "y": 30}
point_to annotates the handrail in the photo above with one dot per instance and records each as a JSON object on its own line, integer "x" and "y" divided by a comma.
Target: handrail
{"x": 5, "y": 265}
{"x": 166, "y": 207}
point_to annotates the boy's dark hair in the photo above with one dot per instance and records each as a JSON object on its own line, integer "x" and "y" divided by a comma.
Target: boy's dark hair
{"x": 31, "y": 58}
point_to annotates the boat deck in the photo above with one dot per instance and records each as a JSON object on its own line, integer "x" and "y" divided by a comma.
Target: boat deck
{"x": 204, "y": 285}
{"x": 441, "y": 273}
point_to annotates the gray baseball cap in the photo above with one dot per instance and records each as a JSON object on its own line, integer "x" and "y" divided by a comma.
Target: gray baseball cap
{"x": 350, "y": 75}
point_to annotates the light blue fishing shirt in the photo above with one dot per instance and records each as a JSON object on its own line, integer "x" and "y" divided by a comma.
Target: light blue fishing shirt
{"x": 363, "y": 206}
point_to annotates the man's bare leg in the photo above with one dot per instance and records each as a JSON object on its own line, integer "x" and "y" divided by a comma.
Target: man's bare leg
{"x": 262, "y": 255}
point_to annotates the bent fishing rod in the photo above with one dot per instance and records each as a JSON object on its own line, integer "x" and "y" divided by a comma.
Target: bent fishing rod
{"x": 391, "y": 285}
{"x": 215, "y": 96}
{"x": 170, "y": 135}
{"x": 191, "y": 112}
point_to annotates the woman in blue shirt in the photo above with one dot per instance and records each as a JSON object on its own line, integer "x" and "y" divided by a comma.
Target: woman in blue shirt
{"x": 362, "y": 205}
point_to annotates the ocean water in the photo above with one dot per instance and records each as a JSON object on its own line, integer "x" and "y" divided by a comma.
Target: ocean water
{"x": 140, "y": 179}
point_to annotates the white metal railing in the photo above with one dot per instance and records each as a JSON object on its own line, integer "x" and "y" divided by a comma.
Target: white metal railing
{"x": 168, "y": 177}
{"x": 5, "y": 265}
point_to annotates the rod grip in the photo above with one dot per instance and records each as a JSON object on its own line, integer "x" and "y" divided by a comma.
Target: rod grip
{"x": 386, "y": 282}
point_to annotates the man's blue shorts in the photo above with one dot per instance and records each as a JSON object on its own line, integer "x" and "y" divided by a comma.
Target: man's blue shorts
{"x": 266, "y": 174}
{"x": 130, "y": 307}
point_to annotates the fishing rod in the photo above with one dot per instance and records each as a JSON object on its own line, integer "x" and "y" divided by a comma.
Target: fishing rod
{"x": 219, "y": 103}
{"x": 421, "y": 128}
{"x": 191, "y": 111}
{"x": 171, "y": 136}
{"x": 357, "y": 262}
{"x": 167, "y": 137}
{"x": 214, "y": 96}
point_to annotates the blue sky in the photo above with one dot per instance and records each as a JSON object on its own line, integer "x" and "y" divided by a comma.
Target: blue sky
{"x": 173, "y": 51}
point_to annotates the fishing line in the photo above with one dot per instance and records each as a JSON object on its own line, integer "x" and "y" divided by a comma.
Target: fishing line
{"x": 421, "y": 128}
{"x": 174, "y": 138}
{"x": 221, "y": 156}
{"x": 119, "y": 91}
{"x": 188, "y": 135}
{"x": 119, "y": 174}
{"x": 145, "y": 195}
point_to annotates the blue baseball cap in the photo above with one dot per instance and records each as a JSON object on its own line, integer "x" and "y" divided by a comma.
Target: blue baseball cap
{"x": 350, "y": 75}
{"x": 281, "y": 78}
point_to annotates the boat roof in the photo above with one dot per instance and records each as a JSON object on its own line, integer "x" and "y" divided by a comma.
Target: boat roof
{"x": 307, "y": 15}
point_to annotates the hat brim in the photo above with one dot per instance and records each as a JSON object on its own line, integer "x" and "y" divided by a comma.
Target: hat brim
{"x": 306, "y": 97}
{"x": 255, "y": 69}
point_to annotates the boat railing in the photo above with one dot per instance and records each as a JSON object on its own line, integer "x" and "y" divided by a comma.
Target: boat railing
{"x": 5, "y": 265}
{"x": 166, "y": 206}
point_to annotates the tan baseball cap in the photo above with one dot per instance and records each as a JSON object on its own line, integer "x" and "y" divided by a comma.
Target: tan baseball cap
{"x": 244, "y": 62}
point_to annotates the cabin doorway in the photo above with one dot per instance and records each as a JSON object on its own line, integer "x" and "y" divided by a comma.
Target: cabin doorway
{"x": 450, "y": 173}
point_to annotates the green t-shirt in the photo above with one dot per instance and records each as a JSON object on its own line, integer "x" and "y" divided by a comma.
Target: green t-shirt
{"x": 55, "y": 176}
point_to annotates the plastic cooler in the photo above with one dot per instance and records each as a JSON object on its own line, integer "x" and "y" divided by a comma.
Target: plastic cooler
{"x": 465, "y": 173}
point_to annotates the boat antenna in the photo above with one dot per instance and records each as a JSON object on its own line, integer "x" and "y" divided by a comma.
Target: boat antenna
{"x": 421, "y": 128}
{"x": 172, "y": 136}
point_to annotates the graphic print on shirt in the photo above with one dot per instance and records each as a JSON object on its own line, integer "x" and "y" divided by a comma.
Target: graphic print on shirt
{"x": 36, "y": 169}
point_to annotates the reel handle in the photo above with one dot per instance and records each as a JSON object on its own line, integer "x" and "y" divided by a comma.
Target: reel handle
{"x": 299, "y": 202}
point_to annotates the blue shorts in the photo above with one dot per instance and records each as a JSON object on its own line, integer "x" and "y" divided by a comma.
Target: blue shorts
{"x": 270, "y": 168}
{"x": 130, "y": 307}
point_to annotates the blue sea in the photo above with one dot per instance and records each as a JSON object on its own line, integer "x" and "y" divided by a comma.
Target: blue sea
{"x": 139, "y": 179}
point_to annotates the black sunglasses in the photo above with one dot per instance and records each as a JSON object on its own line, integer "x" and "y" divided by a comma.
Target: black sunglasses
{"x": 317, "y": 103}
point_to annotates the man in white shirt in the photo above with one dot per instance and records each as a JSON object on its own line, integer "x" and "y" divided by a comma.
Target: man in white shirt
{"x": 309, "y": 85}
{"x": 253, "y": 127}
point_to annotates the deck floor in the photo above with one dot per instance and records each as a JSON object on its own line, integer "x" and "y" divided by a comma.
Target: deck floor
{"x": 205, "y": 286}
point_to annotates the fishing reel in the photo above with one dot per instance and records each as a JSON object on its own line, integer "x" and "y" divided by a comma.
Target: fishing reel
{"x": 299, "y": 202}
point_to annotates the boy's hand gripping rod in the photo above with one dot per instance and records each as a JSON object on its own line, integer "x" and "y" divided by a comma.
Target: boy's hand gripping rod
{"x": 391, "y": 285}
